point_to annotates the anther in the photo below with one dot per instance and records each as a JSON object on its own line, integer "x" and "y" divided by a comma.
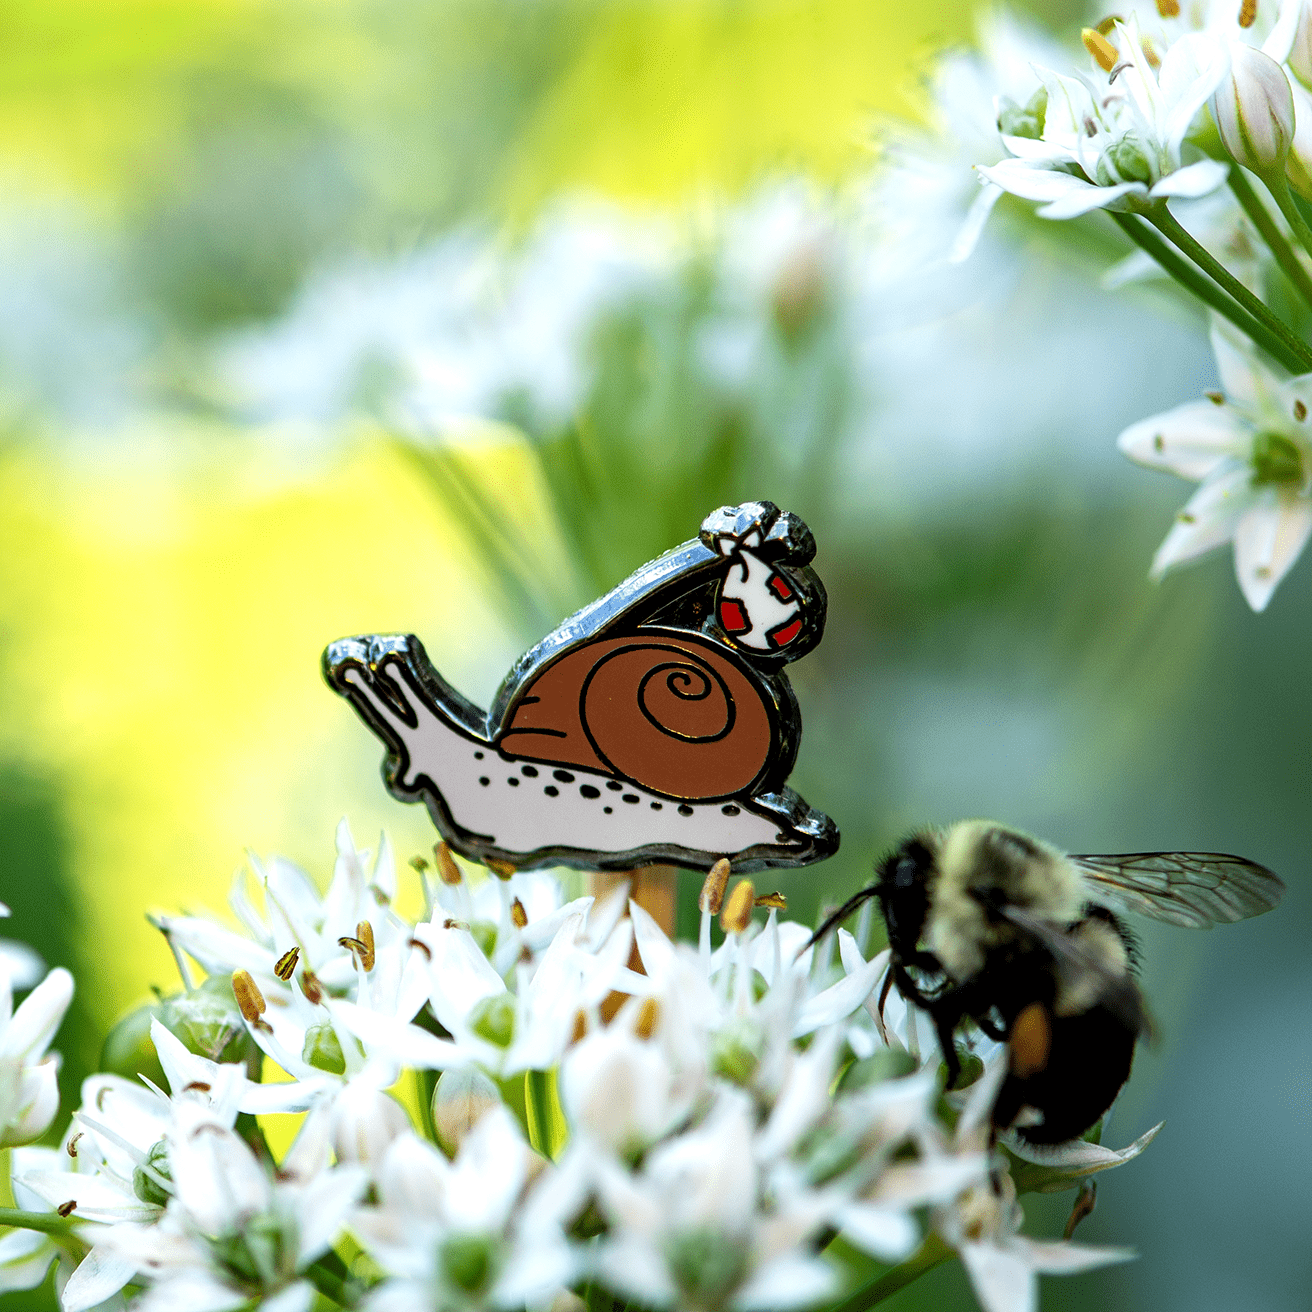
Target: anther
{"x": 419, "y": 864}
{"x": 737, "y": 913}
{"x": 248, "y": 995}
{"x": 712, "y": 894}
{"x": 71, "y": 1146}
{"x": 286, "y": 964}
{"x": 68, "y": 1208}
{"x": 1102, "y": 50}
{"x": 448, "y": 923}
{"x": 649, "y": 1015}
{"x": 1300, "y": 411}
{"x": 447, "y": 870}
{"x": 518, "y": 915}
{"x": 775, "y": 900}
{"x": 580, "y": 1027}
{"x": 364, "y": 931}
{"x": 1168, "y": 8}
{"x": 502, "y": 869}
{"x": 1248, "y": 13}
{"x": 422, "y": 946}
{"x": 1216, "y": 398}
{"x": 311, "y": 987}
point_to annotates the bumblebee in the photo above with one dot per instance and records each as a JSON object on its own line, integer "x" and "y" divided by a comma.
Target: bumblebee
{"x": 990, "y": 925}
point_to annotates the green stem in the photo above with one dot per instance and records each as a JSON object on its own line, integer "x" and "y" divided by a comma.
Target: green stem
{"x": 1271, "y": 234}
{"x": 49, "y": 1223}
{"x": 933, "y": 1252}
{"x": 1279, "y": 189}
{"x": 1204, "y": 288}
{"x": 1166, "y": 223}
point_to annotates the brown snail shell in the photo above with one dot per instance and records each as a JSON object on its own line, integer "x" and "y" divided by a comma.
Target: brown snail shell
{"x": 677, "y": 715}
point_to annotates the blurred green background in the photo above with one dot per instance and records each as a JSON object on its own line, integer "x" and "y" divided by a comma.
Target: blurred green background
{"x": 378, "y": 315}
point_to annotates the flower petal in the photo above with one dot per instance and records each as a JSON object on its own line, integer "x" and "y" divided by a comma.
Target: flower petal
{"x": 1074, "y": 203}
{"x": 1268, "y": 540}
{"x": 1003, "y": 1280}
{"x": 1191, "y": 440}
{"x": 1078, "y": 1157}
{"x": 1065, "y": 1258}
{"x": 99, "y": 1275}
{"x": 1193, "y": 180}
{"x": 1208, "y": 519}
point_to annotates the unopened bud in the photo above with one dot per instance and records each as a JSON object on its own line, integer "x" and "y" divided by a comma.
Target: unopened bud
{"x": 1254, "y": 111}
{"x": 518, "y": 916}
{"x": 447, "y": 870}
{"x": 461, "y": 1099}
{"x": 712, "y": 894}
{"x": 35, "y": 1102}
{"x": 1102, "y": 50}
{"x": 248, "y": 995}
{"x": 737, "y": 913}
{"x": 1300, "y": 52}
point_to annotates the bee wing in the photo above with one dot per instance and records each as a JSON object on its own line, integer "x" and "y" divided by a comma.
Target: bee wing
{"x": 1194, "y": 889}
{"x": 1118, "y": 993}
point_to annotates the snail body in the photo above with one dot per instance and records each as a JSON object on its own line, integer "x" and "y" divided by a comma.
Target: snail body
{"x": 639, "y": 731}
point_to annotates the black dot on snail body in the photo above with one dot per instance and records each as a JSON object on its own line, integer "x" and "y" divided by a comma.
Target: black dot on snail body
{"x": 530, "y": 771}
{"x": 730, "y": 809}
{"x": 630, "y": 798}
{"x": 513, "y": 782}
{"x": 656, "y": 806}
{"x": 478, "y": 756}
{"x": 484, "y": 780}
{"x": 685, "y": 809}
{"x": 551, "y": 790}
{"x": 608, "y": 809}
{"x": 563, "y": 775}
{"x": 615, "y": 787}
{"x": 589, "y": 791}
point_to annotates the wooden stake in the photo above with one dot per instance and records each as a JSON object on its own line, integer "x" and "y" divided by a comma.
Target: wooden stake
{"x": 654, "y": 889}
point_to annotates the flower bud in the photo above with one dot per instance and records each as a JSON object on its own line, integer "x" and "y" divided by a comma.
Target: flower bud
{"x": 1300, "y": 52}
{"x": 1125, "y": 160}
{"x": 149, "y": 1180}
{"x": 1023, "y": 121}
{"x": 365, "y": 1121}
{"x": 35, "y": 1105}
{"x": 461, "y": 1099}
{"x": 208, "y": 1021}
{"x": 1254, "y": 111}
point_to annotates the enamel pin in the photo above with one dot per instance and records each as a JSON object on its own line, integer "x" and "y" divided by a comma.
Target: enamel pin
{"x": 655, "y": 725}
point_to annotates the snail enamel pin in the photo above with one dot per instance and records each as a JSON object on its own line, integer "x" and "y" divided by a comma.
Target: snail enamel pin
{"x": 655, "y": 725}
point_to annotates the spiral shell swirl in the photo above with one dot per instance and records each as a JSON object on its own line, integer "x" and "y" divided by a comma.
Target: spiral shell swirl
{"x": 677, "y": 715}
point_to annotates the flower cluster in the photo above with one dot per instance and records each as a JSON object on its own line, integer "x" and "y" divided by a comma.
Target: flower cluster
{"x": 1173, "y": 104}
{"x": 602, "y": 1109}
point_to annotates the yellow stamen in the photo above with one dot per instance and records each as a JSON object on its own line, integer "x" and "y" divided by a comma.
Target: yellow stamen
{"x": 447, "y": 870}
{"x": 518, "y": 916}
{"x": 286, "y": 964}
{"x": 712, "y": 894}
{"x": 248, "y": 995}
{"x": 649, "y": 1015}
{"x": 737, "y": 913}
{"x": 1102, "y": 50}
{"x": 311, "y": 987}
{"x": 1168, "y": 8}
{"x": 502, "y": 869}
{"x": 1248, "y": 13}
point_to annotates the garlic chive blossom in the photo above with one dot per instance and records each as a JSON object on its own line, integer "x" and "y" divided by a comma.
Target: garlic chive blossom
{"x": 1250, "y": 448}
{"x": 1114, "y": 139}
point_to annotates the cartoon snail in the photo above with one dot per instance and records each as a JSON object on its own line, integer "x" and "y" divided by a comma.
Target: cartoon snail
{"x": 655, "y": 725}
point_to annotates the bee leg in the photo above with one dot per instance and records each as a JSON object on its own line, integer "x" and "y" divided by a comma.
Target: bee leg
{"x": 1084, "y": 1204}
{"x": 879, "y": 1010}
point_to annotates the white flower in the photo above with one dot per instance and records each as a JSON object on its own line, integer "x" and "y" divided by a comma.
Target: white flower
{"x": 462, "y": 1233}
{"x": 1114, "y": 141}
{"x": 230, "y": 1232}
{"x": 1252, "y": 453}
{"x": 29, "y": 1092}
{"x": 23, "y": 966}
{"x": 982, "y": 1223}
